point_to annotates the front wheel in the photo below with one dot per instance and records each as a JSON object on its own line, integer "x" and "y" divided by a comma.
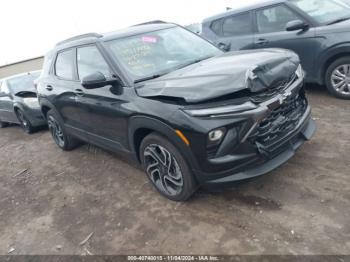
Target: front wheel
{"x": 24, "y": 122}
{"x": 59, "y": 135}
{"x": 166, "y": 168}
{"x": 338, "y": 78}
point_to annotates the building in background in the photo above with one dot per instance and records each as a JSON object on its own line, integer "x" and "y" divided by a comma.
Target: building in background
{"x": 21, "y": 67}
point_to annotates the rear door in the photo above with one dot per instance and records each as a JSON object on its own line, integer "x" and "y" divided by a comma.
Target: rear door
{"x": 271, "y": 32}
{"x": 234, "y": 32}
{"x": 67, "y": 95}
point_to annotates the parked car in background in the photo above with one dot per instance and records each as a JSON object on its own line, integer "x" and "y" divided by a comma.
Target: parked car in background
{"x": 19, "y": 103}
{"x": 318, "y": 31}
{"x": 191, "y": 114}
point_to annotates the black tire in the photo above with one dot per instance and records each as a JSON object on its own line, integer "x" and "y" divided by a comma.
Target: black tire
{"x": 185, "y": 184}
{"x": 331, "y": 82}
{"x": 3, "y": 124}
{"x": 24, "y": 122}
{"x": 63, "y": 140}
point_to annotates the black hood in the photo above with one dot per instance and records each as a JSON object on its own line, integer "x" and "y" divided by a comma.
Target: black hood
{"x": 231, "y": 72}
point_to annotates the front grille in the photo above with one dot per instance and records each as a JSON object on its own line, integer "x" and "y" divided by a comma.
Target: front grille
{"x": 281, "y": 121}
{"x": 276, "y": 89}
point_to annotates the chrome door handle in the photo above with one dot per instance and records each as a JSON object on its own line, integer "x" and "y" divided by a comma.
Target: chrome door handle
{"x": 262, "y": 41}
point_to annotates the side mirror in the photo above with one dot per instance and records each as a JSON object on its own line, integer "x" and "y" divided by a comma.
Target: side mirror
{"x": 96, "y": 80}
{"x": 296, "y": 25}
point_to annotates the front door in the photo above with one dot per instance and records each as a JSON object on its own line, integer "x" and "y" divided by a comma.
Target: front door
{"x": 106, "y": 119}
{"x": 271, "y": 33}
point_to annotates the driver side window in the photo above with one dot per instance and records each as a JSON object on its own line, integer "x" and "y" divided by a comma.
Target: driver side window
{"x": 274, "y": 19}
{"x": 90, "y": 60}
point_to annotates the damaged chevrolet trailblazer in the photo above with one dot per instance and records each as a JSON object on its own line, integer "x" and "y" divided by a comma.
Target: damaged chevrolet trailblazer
{"x": 191, "y": 114}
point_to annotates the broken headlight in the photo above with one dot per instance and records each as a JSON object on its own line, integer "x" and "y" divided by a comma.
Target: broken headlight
{"x": 300, "y": 72}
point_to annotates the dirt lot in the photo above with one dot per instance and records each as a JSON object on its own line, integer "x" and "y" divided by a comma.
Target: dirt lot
{"x": 301, "y": 208}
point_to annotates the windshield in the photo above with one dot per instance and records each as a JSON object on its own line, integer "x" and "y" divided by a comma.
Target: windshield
{"x": 23, "y": 83}
{"x": 324, "y": 11}
{"x": 156, "y": 53}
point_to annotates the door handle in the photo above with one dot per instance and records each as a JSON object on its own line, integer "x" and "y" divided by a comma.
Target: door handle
{"x": 262, "y": 41}
{"x": 49, "y": 88}
{"x": 79, "y": 92}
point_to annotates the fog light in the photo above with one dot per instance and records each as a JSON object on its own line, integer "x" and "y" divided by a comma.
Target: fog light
{"x": 216, "y": 135}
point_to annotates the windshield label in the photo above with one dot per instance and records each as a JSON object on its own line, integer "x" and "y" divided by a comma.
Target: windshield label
{"x": 149, "y": 39}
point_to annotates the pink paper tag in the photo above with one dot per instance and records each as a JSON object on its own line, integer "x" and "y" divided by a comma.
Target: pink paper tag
{"x": 149, "y": 39}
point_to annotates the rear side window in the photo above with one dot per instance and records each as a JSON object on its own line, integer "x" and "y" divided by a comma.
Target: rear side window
{"x": 274, "y": 19}
{"x": 64, "y": 65}
{"x": 90, "y": 60}
{"x": 237, "y": 25}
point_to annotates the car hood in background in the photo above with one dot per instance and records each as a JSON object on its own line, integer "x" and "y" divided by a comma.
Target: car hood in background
{"x": 231, "y": 72}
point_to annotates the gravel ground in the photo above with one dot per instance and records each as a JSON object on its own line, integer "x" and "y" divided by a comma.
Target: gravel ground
{"x": 302, "y": 207}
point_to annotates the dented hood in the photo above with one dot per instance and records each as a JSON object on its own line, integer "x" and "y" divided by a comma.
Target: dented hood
{"x": 231, "y": 72}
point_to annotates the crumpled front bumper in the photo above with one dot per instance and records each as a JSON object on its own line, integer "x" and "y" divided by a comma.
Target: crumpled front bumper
{"x": 266, "y": 157}
{"x": 289, "y": 150}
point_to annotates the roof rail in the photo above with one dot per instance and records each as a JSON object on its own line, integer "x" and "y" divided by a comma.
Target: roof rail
{"x": 78, "y": 37}
{"x": 152, "y": 22}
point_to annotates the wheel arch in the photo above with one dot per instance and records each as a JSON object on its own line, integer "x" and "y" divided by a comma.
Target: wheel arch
{"x": 330, "y": 57}
{"x": 17, "y": 106}
{"x": 141, "y": 126}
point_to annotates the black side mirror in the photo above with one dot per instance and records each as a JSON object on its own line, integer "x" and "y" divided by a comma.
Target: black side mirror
{"x": 97, "y": 80}
{"x": 296, "y": 25}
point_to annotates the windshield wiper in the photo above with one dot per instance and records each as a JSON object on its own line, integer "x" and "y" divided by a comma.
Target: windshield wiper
{"x": 338, "y": 20}
{"x": 178, "y": 67}
{"x": 147, "y": 78}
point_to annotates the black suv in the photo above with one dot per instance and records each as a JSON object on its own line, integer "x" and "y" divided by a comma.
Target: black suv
{"x": 191, "y": 114}
{"x": 318, "y": 31}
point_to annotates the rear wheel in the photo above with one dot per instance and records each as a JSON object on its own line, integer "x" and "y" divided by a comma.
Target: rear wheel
{"x": 24, "y": 122}
{"x": 166, "y": 168}
{"x": 58, "y": 133}
{"x": 338, "y": 78}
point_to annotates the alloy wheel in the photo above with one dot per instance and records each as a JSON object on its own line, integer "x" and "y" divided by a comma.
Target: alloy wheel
{"x": 163, "y": 170}
{"x": 340, "y": 79}
{"x": 56, "y": 131}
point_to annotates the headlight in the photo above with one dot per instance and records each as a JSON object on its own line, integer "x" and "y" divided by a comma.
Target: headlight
{"x": 222, "y": 110}
{"x": 300, "y": 72}
{"x": 216, "y": 135}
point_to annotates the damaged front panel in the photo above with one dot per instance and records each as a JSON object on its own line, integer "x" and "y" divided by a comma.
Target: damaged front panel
{"x": 223, "y": 75}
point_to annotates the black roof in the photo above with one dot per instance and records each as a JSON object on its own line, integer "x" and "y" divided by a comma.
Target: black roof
{"x": 130, "y": 31}
{"x": 247, "y": 8}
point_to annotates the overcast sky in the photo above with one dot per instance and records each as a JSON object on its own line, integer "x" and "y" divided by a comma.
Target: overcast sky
{"x": 29, "y": 28}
